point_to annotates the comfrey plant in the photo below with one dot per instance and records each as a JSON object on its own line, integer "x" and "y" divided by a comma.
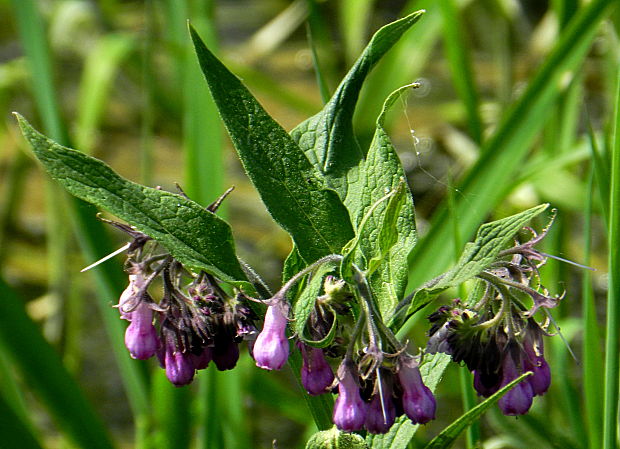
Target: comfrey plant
{"x": 191, "y": 301}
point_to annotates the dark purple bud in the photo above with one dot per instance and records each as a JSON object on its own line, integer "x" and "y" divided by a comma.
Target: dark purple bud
{"x": 271, "y": 348}
{"x": 486, "y": 383}
{"x": 316, "y": 374}
{"x": 418, "y": 400}
{"x": 519, "y": 399}
{"x": 350, "y": 408}
{"x": 141, "y": 337}
{"x": 201, "y": 361}
{"x": 225, "y": 354}
{"x": 381, "y": 411}
{"x": 179, "y": 366}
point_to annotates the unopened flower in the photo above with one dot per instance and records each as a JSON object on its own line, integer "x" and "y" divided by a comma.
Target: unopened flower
{"x": 271, "y": 348}
{"x": 350, "y": 408}
{"x": 201, "y": 360}
{"x": 381, "y": 412}
{"x": 141, "y": 336}
{"x": 316, "y": 374}
{"x": 418, "y": 400}
{"x": 225, "y": 354}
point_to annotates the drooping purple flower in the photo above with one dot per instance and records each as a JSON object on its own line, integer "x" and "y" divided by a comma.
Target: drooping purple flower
{"x": 418, "y": 400}
{"x": 519, "y": 399}
{"x": 141, "y": 337}
{"x": 316, "y": 374}
{"x": 225, "y": 354}
{"x": 349, "y": 409}
{"x": 534, "y": 359}
{"x": 271, "y": 348}
{"x": 381, "y": 411}
{"x": 178, "y": 365}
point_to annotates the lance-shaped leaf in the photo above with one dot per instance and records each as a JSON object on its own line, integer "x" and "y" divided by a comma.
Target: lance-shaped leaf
{"x": 327, "y": 137}
{"x": 289, "y": 185}
{"x": 194, "y": 236}
{"x": 389, "y": 234}
{"x": 477, "y": 256}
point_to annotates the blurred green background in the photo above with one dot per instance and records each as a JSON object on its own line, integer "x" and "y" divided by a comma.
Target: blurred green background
{"x": 515, "y": 109}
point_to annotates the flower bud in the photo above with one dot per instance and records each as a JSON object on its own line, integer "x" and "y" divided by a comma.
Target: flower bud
{"x": 418, "y": 401}
{"x": 381, "y": 414}
{"x": 225, "y": 354}
{"x": 179, "y": 366}
{"x": 141, "y": 337}
{"x": 316, "y": 374}
{"x": 485, "y": 383}
{"x": 271, "y": 349}
{"x": 349, "y": 409}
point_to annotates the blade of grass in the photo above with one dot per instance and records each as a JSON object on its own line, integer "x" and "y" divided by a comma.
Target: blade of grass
{"x": 100, "y": 67}
{"x": 354, "y": 17}
{"x": 171, "y": 413}
{"x": 460, "y": 66}
{"x": 502, "y": 154}
{"x": 88, "y": 230}
{"x": 15, "y": 434}
{"x": 612, "y": 344}
{"x": 33, "y": 355}
{"x": 592, "y": 370}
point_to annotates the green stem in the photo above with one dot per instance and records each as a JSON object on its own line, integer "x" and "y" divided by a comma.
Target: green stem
{"x": 612, "y": 349}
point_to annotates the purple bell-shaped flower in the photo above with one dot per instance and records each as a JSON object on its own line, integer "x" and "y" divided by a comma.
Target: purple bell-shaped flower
{"x": 418, "y": 400}
{"x": 141, "y": 337}
{"x": 381, "y": 411}
{"x": 534, "y": 360}
{"x": 271, "y": 348}
{"x": 316, "y": 374}
{"x": 350, "y": 408}
{"x": 519, "y": 399}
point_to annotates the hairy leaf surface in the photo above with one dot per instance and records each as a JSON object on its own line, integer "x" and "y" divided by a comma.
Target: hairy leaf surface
{"x": 194, "y": 236}
{"x": 295, "y": 195}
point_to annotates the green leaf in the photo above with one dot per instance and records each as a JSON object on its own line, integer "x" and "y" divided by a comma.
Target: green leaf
{"x": 476, "y": 257}
{"x": 381, "y": 172}
{"x": 194, "y": 236}
{"x": 305, "y": 303}
{"x": 335, "y": 439}
{"x": 400, "y": 434}
{"x": 327, "y": 137}
{"x": 289, "y": 185}
{"x": 388, "y": 232}
{"x": 449, "y": 435}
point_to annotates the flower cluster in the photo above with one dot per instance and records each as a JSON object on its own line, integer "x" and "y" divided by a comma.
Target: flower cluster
{"x": 373, "y": 387}
{"x": 195, "y": 321}
{"x": 373, "y": 402}
{"x": 497, "y": 337}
